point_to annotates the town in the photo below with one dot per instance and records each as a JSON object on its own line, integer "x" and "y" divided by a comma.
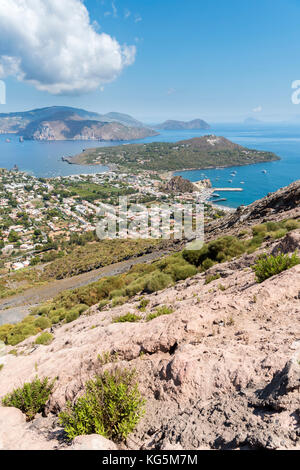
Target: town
{"x": 38, "y": 215}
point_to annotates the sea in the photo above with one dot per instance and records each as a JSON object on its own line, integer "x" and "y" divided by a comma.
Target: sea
{"x": 44, "y": 159}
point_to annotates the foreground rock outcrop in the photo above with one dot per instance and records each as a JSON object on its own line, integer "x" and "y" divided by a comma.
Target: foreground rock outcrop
{"x": 222, "y": 371}
{"x": 283, "y": 204}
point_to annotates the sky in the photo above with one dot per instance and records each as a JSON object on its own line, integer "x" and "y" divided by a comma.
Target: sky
{"x": 153, "y": 59}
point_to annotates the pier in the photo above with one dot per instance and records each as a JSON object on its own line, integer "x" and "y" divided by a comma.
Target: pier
{"x": 228, "y": 189}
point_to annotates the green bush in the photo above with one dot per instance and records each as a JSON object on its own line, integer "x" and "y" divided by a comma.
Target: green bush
{"x": 44, "y": 338}
{"x": 143, "y": 304}
{"x": 219, "y": 250}
{"x": 268, "y": 266}
{"x": 31, "y": 398}
{"x": 111, "y": 406}
{"x": 163, "y": 310}
{"x": 129, "y": 317}
{"x": 43, "y": 323}
{"x": 291, "y": 224}
{"x": 157, "y": 281}
{"x": 72, "y": 315}
{"x": 278, "y": 233}
{"x": 180, "y": 272}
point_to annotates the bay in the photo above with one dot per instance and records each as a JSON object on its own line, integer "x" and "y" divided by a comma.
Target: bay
{"x": 43, "y": 159}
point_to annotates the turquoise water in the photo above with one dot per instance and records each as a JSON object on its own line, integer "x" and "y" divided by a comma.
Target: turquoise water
{"x": 44, "y": 158}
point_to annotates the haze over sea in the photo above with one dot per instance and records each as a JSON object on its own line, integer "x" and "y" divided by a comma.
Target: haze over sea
{"x": 43, "y": 159}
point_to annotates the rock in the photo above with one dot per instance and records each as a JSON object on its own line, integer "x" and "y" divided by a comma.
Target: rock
{"x": 289, "y": 244}
{"x": 93, "y": 442}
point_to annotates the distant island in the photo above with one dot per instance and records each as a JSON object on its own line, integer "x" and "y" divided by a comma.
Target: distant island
{"x": 181, "y": 125}
{"x": 67, "y": 123}
{"x": 209, "y": 151}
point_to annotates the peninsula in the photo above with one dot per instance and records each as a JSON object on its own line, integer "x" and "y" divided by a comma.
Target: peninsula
{"x": 209, "y": 151}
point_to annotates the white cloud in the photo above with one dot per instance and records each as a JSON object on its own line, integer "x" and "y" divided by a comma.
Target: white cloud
{"x": 52, "y": 45}
{"x": 257, "y": 110}
{"x": 137, "y": 18}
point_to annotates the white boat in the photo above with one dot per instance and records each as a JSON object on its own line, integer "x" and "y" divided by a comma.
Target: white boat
{"x": 242, "y": 182}
{"x": 264, "y": 171}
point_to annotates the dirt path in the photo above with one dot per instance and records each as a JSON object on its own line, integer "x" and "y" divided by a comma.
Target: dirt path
{"x": 13, "y": 309}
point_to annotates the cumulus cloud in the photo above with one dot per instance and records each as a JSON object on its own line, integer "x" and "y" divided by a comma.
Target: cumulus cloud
{"x": 258, "y": 109}
{"x": 52, "y": 45}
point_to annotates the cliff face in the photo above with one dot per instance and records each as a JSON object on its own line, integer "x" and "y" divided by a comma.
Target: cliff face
{"x": 179, "y": 185}
{"x": 63, "y": 122}
{"x": 84, "y": 130}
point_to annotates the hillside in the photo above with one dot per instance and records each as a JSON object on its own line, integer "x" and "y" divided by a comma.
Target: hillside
{"x": 181, "y": 125}
{"x": 216, "y": 352}
{"x": 201, "y": 152}
{"x": 62, "y": 123}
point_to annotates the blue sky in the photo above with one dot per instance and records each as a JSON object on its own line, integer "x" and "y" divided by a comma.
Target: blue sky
{"x": 216, "y": 60}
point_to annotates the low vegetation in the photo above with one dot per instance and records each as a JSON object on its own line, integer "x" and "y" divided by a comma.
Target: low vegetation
{"x": 31, "y": 398}
{"x": 128, "y": 318}
{"x": 112, "y": 406}
{"x": 268, "y": 266}
{"x": 141, "y": 279}
{"x": 162, "y": 310}
{"x": 44, "y": 338}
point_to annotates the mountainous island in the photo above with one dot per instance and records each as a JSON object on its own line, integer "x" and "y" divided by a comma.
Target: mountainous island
{"x": 171, "y": 125}
{"x": 67, "y": 123}
{"x": 209, "y": 151}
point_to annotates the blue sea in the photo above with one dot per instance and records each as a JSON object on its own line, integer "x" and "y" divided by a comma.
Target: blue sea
{"x": 44, "y": 158}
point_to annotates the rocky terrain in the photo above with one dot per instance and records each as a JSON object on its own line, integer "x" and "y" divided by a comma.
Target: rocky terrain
{"x": 180, "y": 125}
{"x": 222, "y": 371}
{"x": 66, "y": 123}
{"x": 177, "y": 184}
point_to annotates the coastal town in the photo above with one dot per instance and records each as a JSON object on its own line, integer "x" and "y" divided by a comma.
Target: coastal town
{"x": 38, "y": 215}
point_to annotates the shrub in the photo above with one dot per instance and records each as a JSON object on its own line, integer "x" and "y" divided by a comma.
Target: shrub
{"x": 212, "y": 278}
{"x": 291, "y": 224}
{"x": 268, "y": 266}
{"x": 111, "y": 406}
{"x": 44, "y": 338}
{"x": 31, "y": 398}
{"x": 158, "y": 281}
{"x": 72, "y": 315}
{"x": 259, "y": 229}
{"x": 279, "y": 233}
{"x": 143, "y": 304}
{"x": 219, "y": 250}
{"x": 42, "y": 323}
{"x": 119, "y": 301}
{"x": 180, "y": 272}
{"x": 129, "y": 317}
{"x": 163, "y": 310}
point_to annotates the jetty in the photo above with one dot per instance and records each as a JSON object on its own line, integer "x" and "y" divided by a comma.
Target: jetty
{"x": 229, "y": 189}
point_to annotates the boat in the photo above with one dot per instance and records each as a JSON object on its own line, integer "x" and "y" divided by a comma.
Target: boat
{"x": 21, "y": 139}
{"x": 242, "y": 182}
{"x": 264, "y": 171}
{"x": 216, "y": 195}
{"x": 7, "y": 141}
{"x": 229, "y": 181}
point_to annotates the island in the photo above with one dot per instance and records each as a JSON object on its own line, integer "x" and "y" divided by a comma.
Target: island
{"x": 209, "y": 151}
{"x": 172, "y": 125}
{"x": 67, "y": 123}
